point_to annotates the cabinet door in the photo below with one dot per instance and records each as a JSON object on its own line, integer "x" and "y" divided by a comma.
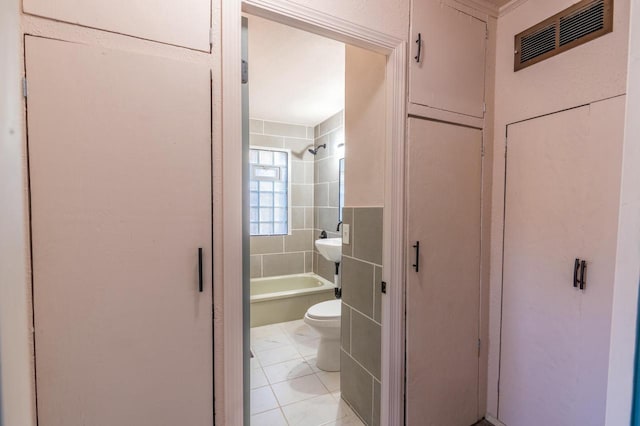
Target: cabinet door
{"x": 120, "y": 179}
{"x": 174, "y": 22}
{"x": 443, "y": 295}
{"x": 450, "y": 73}
{"x": 562, "y": 194}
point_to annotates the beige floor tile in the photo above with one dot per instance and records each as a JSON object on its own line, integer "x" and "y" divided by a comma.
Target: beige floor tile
{"x": 266, "y": 331}
{"x": 331, "y": 380}
{"x": 287, "y": 370}
{"x": 278, "y": 355}
{"x": 298, "y": 389}
{"x": 299, "y": 331}
{"x": 269, "y": 418}
{"x": 258, "y": 379}
{"x": 272, "y": 341}
{"x": 262, "y": 399}
{"x": 315, "y": 411}
{"x": 308, "y": 347}
{"x": 299, "y": 394}
{"x": 351, "y": 420}
{"x": 312, "y": 361}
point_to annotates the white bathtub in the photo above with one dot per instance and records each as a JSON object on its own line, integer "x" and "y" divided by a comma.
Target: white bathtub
{"x": 286, "y": 297}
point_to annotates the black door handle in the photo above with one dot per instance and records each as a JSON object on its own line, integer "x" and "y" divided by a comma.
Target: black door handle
{"x": 417, "y": 264}
{"x": 576, "y": 267}
{"x": 200, "y": 281}
{"x": 419, "y": 43}
{"x": 583, "y": 274}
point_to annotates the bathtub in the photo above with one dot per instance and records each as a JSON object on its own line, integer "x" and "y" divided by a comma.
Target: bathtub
{"x": 287, "y": 297}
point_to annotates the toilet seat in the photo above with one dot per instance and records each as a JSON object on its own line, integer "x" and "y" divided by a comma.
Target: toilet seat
{"x": 329, "y": 310}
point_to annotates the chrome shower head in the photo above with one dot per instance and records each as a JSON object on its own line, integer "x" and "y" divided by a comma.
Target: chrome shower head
{"x": 315, "y": 151}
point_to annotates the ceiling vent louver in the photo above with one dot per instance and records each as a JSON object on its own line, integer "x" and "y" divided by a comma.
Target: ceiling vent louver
{"x": 578, "y": 24}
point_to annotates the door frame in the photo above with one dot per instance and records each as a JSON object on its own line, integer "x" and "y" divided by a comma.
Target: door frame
{"x": 307, "y": 19}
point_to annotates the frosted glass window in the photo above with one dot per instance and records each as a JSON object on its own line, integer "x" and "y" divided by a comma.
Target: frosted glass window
{"x": 270, "y": 208}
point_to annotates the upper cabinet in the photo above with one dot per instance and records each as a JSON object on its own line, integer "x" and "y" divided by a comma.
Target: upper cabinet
{"x": 166, "y": 21}
{"x": 447, "y": 70}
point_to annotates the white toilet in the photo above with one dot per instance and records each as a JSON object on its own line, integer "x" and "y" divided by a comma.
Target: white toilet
{"x": 324, "y": 317}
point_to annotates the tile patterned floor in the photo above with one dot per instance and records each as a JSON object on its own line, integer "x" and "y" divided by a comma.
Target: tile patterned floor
{"x": 286, "y": 386}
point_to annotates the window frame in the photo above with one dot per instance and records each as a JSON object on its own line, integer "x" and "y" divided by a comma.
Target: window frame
{"x": 289, "y": 178}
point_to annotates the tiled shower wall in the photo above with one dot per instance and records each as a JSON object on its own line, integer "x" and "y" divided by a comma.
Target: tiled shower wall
{"x": 326, "y": 179}
{"x": 361, "y": 312}
{"x": 287, "y": 254}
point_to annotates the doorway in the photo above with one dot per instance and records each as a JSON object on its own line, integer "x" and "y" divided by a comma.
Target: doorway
{"x": 391, "y": 303}
{"x": 314, "y": 298}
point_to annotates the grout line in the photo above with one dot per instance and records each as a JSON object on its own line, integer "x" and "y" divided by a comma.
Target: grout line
{"x": 361, "y": 260}
{"x": 328, "y": 132}
{"x": 373, "y": 398}
{"x": 373, "y": 293}
{"x": 362, "y": 366}
{"x": 278, "y": 252}
{"x": 315, "y": 373}
{"x": 361, "y": 313}
{"x": 283, "y": 416}
{"x": 350, "y": 329}
{"x": 296, "y": 138}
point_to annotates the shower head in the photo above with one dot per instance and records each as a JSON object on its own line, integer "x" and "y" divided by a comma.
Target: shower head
{"x": 315, "y": 151}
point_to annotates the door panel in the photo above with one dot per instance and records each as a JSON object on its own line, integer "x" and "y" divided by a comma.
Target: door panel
{"x": 450, "y": 74}
{"x": 562, "y": 191}
{"x": 166, "y": 21}
{"x": 120, "y": 176}
{"x": 443, "y": 296}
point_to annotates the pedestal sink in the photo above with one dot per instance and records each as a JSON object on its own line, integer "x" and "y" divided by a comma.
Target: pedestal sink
{"x": 330, "y": 248}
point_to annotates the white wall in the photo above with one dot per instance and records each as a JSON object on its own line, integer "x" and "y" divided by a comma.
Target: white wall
{"x": 590, "y": 72}
{"x": 16, "y": 369}
{"x": 623, "y": 327}
{"x": 364, "y": 117}
{"x": 386, "y": 16}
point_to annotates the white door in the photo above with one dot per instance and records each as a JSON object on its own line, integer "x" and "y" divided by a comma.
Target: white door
{"x": 562, "y": 193}
{"x": 449, "y": 73}
{"x": 120, "y": 180}
{"x": 443, "y": 295}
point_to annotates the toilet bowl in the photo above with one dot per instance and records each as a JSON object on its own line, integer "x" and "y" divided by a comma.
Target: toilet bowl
{"x": 324, "y": 317}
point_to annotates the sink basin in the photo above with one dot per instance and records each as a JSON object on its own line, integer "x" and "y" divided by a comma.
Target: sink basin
{"x": 330, "y": 248}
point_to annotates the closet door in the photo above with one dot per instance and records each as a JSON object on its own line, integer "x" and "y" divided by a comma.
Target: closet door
{"x": 443, "y": 294}
{"x": 120, "y": 178}
{"x": 562, "y": 193}
{"x": 449, "y": 74}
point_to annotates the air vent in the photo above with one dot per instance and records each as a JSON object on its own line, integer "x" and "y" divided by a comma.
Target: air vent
{"x": 585, "y": 21}
{"x": 578, "y": 24}
{"x": 538, "y": 43}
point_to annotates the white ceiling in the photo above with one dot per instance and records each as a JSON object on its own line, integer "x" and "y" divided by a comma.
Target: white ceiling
{"x": 294, "y": 76}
